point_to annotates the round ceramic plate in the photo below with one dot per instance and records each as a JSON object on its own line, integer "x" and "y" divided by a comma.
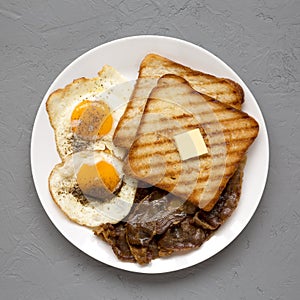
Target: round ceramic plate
{"x": 125, "y": 55}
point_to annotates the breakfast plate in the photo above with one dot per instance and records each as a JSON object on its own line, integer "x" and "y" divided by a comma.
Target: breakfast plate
{"x": 125, "y": 56}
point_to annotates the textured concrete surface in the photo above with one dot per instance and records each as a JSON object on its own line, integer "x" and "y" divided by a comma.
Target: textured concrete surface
{"x": 259, "y": 39}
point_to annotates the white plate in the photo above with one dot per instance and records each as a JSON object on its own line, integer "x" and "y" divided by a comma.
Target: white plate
{"x": 125, "y": 55}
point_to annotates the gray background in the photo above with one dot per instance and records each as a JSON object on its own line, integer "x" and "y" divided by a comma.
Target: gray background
{"x": 258, "y": 39}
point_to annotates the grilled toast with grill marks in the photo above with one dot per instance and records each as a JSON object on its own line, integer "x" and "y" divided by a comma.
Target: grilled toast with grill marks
{"x": 175, "y": 107}
{"x": 151, "y": 69}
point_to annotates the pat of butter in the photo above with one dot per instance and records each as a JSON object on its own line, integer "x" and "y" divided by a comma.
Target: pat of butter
{"x": 190, "y": 144}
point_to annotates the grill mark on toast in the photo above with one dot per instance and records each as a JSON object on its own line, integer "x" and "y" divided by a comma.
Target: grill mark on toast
{"x": 229, "y": 164}
{"x": 238, "y": 142}
{"x": 159, "y": 142}
{"x": 189, "y": 182}
{"x": 141, "y": 156}
{"x": 188, "y": 108}
{"x": 148, "y": 121}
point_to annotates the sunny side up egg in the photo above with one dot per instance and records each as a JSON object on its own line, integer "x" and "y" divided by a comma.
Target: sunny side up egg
{"x": 85, "y": 113}
{"x": 91, "y": 189}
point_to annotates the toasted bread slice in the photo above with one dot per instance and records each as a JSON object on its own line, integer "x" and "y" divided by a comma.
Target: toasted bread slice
{"x": 152, "y": 68}
{"x": 175, "y": 107}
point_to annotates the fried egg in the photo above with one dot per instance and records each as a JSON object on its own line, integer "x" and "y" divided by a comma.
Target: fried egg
{"x": 91, "y": 189}
{"x": 85, "y": 113}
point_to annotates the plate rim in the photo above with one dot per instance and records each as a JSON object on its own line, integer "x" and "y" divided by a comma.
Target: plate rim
{"x": 263, "y": 127}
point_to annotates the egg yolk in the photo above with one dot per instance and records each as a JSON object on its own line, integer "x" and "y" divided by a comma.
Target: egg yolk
{"x": 98, "y": 181}
{"x": 91, "y": 120}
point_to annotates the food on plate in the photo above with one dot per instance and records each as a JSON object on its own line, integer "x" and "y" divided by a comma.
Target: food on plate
{"x": 161, "y": 223}
{"x": 91, "y": 188}
{"x": 151, "y": 69}
{"x": 122, "y": 173}
{"x": 84, "y": 115}
{"x": 174, "y": 107}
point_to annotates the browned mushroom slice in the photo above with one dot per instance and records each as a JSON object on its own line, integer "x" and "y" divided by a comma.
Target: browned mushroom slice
{"x": 200, "y": 220}
{"x": 143, "y": 255}
{"x": 115, "y": 235}
{"x": 153, "y": 217}
{"x": 184, "y": 236}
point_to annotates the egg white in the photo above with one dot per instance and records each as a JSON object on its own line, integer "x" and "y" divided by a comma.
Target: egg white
{"x": 110, "y": 86}
{"x": 91, "y": 213}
